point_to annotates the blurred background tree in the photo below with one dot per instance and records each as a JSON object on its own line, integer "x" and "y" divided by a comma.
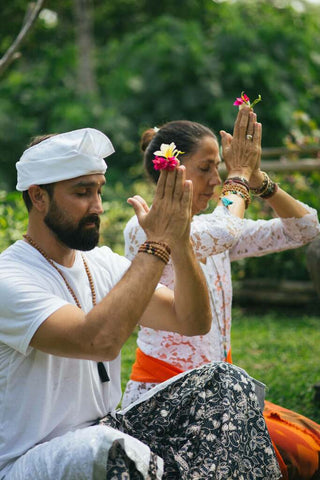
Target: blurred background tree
{"x": 127, "y": 65}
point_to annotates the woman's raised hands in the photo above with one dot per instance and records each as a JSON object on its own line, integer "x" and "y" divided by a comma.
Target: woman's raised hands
{"x": 242, "y": 151}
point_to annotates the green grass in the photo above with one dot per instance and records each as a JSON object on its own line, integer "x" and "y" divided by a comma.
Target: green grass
{"x": 279, "y": 348}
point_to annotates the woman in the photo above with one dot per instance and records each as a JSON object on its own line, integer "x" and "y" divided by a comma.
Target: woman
{"x": 219, "y": 238}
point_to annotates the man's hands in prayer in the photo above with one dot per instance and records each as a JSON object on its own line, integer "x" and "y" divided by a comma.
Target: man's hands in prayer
{"x": 168, "y": 220}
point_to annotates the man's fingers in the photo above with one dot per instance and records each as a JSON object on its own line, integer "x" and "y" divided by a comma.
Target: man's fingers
{"x": 170, "y": 183}
{"x": 187, "y": 194}
{"x": 180, "y": 181}
{"x": 139, "y": 205}
{"x": 161, "y": 184}
{"x": 141, "y": 201}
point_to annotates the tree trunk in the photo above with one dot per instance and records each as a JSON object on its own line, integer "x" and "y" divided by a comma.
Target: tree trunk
{"x": 85, "y": 45}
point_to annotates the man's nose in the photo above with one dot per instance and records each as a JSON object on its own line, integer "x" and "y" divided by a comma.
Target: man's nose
{"x": 96, "y": 205}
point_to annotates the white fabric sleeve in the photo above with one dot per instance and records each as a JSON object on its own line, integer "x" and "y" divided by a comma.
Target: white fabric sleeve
{"x": 25, "y": 305}
{"x": 210, "y": 233}
{"x": 215, "y": 232}
{"x": 260, "y": 237}
{"x": 134, "y": 236}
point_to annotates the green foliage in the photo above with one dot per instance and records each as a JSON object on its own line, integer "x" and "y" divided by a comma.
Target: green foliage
{"x": 279, "y": 349}
{"x": 157, "y": 61}
{"x": 13, "y": 218}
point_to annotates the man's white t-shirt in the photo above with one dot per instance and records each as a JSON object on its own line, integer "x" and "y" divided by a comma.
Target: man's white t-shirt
{"x": 41, "y": 395}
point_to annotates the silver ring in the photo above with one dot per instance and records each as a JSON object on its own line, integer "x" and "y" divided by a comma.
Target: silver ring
{"x": 249, "y": 137}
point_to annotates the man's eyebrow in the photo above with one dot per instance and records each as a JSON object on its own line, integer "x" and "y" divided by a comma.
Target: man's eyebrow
{"x": 83, "y": 183}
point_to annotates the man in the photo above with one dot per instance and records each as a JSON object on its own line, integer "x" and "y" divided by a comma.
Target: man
{"x": 65, "y": 315}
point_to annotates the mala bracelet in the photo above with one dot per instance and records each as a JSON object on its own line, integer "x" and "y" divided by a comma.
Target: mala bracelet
{"x": 158, "y": 249}
{"x": 237, "y": 186}
{"x": 267, "y": 189}
{"x": 240, "y": 180}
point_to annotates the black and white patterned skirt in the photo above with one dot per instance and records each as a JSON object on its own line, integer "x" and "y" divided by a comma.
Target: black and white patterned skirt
{"x": 205, "y": 424}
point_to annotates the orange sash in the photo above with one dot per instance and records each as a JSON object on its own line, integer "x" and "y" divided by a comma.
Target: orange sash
{"x": 148, "y": 369}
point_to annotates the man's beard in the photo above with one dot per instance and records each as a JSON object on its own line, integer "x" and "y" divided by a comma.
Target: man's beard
{"x": 77, "y": 237}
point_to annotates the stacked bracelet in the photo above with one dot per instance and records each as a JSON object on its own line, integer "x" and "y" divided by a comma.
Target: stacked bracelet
{"x": 240, "y": 180}
{"x": 267, "y": 189}
{"x": 237, "y": 186}
{"x": 158, "y": 249}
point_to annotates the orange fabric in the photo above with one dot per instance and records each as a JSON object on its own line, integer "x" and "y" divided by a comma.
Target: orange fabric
{"x": 296, "y": 439}
{"x": 151, "y": 370}
{"x": 229, "y": 356}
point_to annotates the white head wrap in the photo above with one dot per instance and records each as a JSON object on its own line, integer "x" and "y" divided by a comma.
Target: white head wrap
{"x": 64, "y": 156}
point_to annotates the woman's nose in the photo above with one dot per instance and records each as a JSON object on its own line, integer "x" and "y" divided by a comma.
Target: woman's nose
{"x": 215, "y": 179}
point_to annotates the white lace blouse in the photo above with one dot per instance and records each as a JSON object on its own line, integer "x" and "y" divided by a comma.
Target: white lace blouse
{"x": 218, "y": 238}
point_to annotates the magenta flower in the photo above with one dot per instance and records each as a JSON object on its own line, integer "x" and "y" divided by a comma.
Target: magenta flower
{"x": 166, "y": 158}
{"x": 244, "y": 100}
{"x": 161, "y": 163}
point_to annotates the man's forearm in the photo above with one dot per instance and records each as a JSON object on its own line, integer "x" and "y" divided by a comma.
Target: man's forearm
{"x": 191, "y": 296}
{"x": 116, "y": 316}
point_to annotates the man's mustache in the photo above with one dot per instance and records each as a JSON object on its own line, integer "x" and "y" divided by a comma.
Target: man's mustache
{"x": 93, "y": 218}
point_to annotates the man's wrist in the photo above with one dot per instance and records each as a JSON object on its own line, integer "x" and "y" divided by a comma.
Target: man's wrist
{"x": 160, "y": 250}
{"x": 181, "y": 249}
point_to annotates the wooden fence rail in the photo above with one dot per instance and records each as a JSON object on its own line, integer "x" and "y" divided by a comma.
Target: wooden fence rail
{"x": 281, "y": 159}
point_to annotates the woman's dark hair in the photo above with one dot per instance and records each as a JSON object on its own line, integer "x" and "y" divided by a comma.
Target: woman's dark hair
{"x": 185, "y": 134}
{"x": 49, "y": 186}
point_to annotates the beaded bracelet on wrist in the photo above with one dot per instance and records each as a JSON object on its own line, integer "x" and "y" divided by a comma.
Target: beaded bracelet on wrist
{"x": 266, "y": 189}
{"x": 162, "y": 244}
{"x": 235, "y": 186}
{"x": 240, "y": 194}
{"x": 240, "y": 180}
{"x": 272, "y": 189}
{"x": 157, "y": 249}
{"x": 236, "y": 190}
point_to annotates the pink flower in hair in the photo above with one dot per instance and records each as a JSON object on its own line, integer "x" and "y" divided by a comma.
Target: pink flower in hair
{"x": 167, "y": 157}
{"x": 161, "y": 163}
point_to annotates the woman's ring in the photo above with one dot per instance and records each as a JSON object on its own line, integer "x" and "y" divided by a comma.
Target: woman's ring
{"x": 249, "y": 137}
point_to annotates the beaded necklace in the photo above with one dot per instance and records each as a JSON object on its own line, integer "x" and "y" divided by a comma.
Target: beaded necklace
{"x": 43, "y": 253}
{"x": 101, "y": 368}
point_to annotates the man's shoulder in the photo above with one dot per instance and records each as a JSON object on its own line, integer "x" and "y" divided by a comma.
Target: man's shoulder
{"x": 14, "y": 253}
{"x": 106, "y": 258}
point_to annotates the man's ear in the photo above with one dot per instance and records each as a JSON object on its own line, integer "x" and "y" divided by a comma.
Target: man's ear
{"x": 39, "y": 198}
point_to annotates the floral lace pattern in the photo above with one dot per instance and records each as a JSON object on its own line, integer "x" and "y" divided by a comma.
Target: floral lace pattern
{"x": 205, "y": 423}
{"x": 217, "y": 238}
